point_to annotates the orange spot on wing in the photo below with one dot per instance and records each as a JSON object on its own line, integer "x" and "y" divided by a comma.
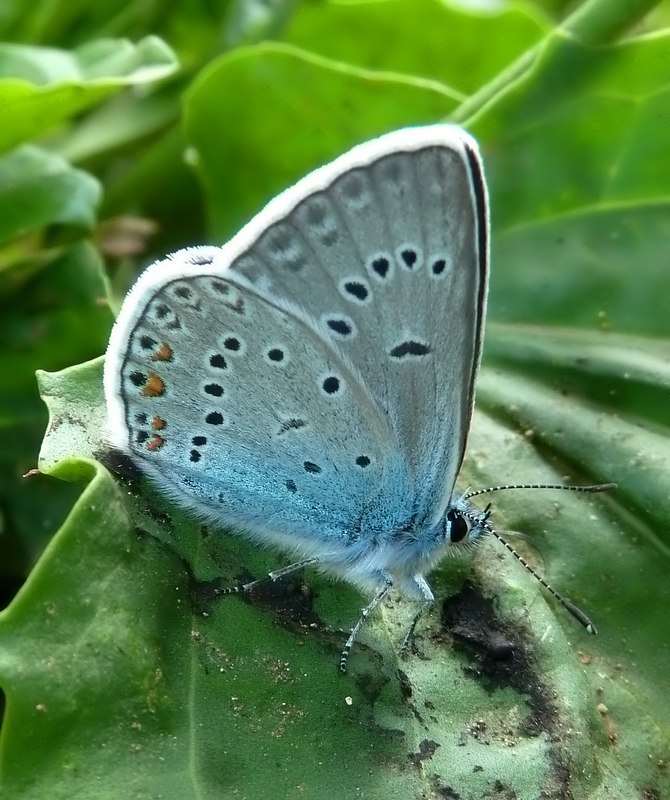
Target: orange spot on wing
{"x": 163, "y": 352}
{"x": 158, "y": 423}
{"x": 155, "y": 443}
{"x": 154, "y": 386}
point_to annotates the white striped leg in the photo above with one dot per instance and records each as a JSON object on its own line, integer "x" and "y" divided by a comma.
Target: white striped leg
{"x": 275, "y": 575}
{"x": 376, "y": 600}
{"x": 427, "y": 600}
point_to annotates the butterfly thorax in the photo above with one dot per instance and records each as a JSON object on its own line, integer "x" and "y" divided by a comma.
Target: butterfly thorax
{"x": 411, "y": 551}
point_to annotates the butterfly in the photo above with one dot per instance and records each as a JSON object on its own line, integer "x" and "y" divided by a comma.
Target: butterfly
{"x": 310, "y": 383}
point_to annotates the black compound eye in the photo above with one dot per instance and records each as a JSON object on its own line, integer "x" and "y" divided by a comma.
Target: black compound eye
{"x": 459, "y": 526}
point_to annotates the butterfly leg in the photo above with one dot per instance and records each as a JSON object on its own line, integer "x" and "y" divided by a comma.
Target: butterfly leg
{"x": 275, "y": 575}
{"x": 427, "y": 599}
{"x": 365, "y": 613}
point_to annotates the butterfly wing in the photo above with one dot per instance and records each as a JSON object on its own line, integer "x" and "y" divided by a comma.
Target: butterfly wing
{"x": 387, "y": 249}
{"x": 314, "y": 377}
{"x": 237, "y": 408}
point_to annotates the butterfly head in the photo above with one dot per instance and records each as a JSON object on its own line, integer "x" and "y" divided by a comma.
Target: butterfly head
{"x": 464, "y": 524}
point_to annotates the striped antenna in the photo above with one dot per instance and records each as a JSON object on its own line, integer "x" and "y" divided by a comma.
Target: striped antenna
{"x": 482, "y": 520}
{"x": 596, "y": 487}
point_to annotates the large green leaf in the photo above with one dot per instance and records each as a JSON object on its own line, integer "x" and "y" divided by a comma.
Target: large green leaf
{"x": 51, "y": 289}
{"x": 413, "y": 37}
{"x": 122, "y": 667}
{"x": 612, "y": 149}
{"x": 51, "y": 314}
{"x": 40, "y": 87}
{"x": 39, "y": 190}
{"x": 280, "y": 99}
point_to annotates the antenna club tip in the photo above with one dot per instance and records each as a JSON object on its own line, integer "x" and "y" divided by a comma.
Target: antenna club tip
{"x": 591, "y": 628}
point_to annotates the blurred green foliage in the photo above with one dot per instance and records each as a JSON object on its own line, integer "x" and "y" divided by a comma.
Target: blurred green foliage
{"x": 129, "y": 131}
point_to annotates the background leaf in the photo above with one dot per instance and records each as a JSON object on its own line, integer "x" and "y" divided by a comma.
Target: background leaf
{"x": 40, "y": 87}
{"x": 408, "y": 36}
{"x": 315, "y": 108}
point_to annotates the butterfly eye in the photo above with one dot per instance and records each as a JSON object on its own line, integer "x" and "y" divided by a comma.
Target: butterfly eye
{"x": 459, "y": 527}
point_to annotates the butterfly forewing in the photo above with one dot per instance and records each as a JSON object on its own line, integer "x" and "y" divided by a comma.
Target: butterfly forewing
{"x": 387, "y": 252}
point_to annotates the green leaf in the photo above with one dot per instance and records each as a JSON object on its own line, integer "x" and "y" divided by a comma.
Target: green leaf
{"x": 408, "y": 36}
{"x": 53, "y": 314}
{"x": 39, "y": 189}
{"x": 297, "y": 91}
{"x": 187, "y": 662}
{"x": 134, "y": 609}
{"x": 250, "y": 21}
{"x": 611, "y": 145}
{"x": 41, "y": 87}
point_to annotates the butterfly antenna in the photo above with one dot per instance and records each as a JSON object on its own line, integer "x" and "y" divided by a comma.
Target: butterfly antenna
{"x": 570, "y": 607}
{"x": 596, "y": 487}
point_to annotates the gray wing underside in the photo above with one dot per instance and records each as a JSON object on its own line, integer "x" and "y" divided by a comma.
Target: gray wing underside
{"x": 240, "y": 410}
{"x": 391, "y": 262}
{"x": 372, "y": 289}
